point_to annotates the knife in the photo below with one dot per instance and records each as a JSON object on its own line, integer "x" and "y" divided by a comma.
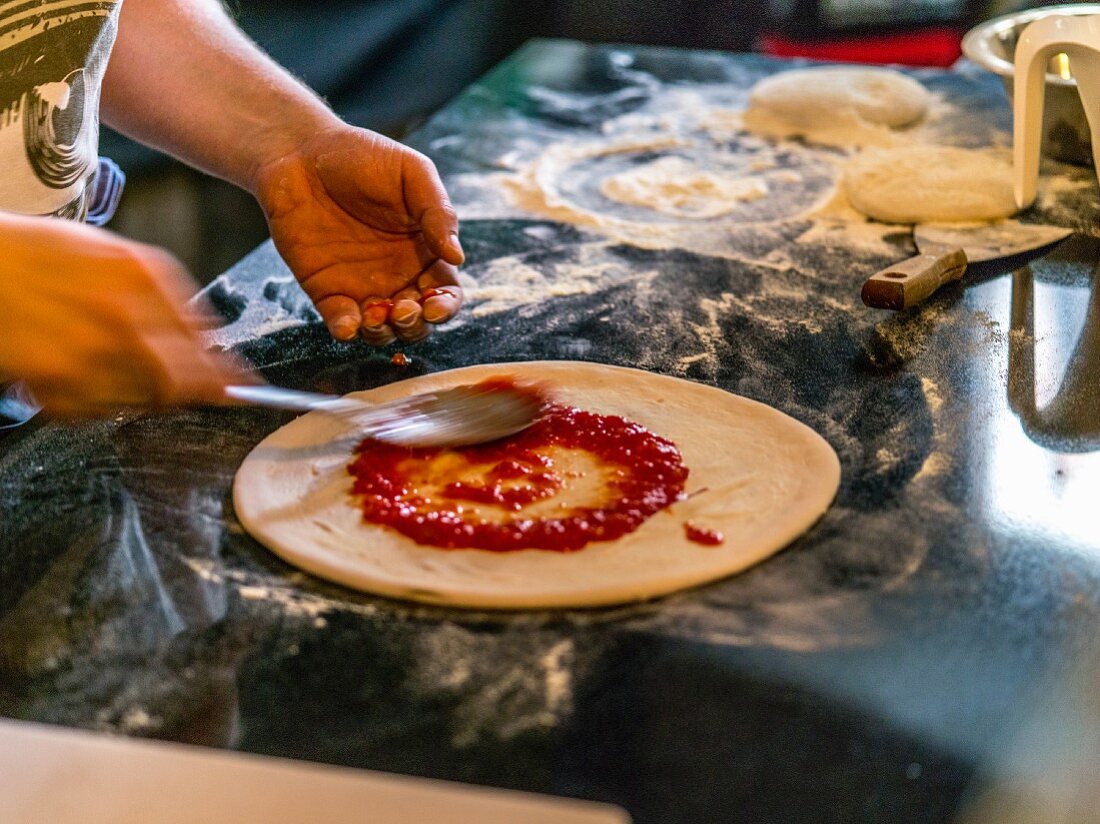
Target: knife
{"x": 944, "y": 251}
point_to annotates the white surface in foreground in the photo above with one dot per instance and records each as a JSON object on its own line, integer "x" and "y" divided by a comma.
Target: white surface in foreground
{"x": 50, "y": 775}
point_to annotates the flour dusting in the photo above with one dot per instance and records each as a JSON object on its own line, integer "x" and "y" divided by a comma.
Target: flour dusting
{"x": 505, "y": 685}
{"x": 685, "y": 171}
{"x": 284, "y": 593}
{"x": 510, "y": 282}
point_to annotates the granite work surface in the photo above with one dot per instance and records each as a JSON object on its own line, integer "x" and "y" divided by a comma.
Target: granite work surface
{"x": 923, "y": 653}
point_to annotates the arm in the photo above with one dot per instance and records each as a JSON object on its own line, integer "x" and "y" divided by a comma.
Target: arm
{"x": 185, "y": 79}
{"x": 363, "y": 222}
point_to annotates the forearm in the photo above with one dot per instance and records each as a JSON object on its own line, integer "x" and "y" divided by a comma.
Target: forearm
{"x": 185, "y": 79}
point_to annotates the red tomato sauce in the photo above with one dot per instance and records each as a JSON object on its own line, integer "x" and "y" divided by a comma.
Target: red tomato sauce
{"x": 427, "y": 493}
{"x": 701, "y": 535}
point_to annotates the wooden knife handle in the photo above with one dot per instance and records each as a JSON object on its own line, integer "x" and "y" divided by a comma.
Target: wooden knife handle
{"x": 911, "y": 281}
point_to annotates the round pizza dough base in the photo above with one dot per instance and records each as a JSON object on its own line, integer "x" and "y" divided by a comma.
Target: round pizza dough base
{"x": 756, "y": 475}
{"x": 836, "y": 106}
{"x": 918, "y": 184}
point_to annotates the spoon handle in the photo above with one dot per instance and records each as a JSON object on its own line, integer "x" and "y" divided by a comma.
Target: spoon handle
{"x": 277, "y": 397}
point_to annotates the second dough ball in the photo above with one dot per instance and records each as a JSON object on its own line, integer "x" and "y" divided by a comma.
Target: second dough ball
{"x": 920, "y": 184}
{"x": 836, "y": 106}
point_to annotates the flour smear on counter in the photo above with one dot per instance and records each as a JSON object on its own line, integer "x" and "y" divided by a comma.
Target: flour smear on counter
{"x": 707, "y": 169}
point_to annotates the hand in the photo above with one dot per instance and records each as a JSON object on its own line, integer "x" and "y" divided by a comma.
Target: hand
{"x": 365, "y": 225}
{"x": 93, "y": 322}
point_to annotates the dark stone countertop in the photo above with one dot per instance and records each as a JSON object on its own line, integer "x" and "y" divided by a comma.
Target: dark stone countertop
{"x": 919, "y": 651}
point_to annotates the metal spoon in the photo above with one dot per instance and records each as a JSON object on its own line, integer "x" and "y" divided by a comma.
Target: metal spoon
{"x": 458, "y": 416}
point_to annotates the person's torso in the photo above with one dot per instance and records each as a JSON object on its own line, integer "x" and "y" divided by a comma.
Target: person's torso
{"x": 53, "y": 54}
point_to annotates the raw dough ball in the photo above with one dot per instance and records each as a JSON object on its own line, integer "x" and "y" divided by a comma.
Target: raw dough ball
{"x": 919, "y": 184}
{"x": 836, "y": 106}
{"x": 676, "y": 186}
{"x": 757, "y": 476}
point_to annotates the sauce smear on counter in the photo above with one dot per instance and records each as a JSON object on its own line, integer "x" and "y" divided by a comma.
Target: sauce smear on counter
{"x": 500, "y": 496}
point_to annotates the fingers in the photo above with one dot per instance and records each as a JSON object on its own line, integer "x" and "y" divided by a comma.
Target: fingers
{"x": 440, "y": 305}
{"x": 161, "y": 370}
{"x": 440, "y": 294}
{"x": 430, "y": 206}
{"x": 376, "y": 329}
{"x": 410, "y": 314}
{"x": 180, "y": 371}
{"x": 342, "y": 316}
{"x": 407, "y": 318}
{"x": 162, "y": 362}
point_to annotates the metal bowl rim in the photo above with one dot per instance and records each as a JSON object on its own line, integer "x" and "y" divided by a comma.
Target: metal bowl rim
{"x": 975, "y": 43}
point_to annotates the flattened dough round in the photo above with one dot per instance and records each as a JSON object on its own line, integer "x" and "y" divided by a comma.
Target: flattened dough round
{"x": 838, "y": 106}
{"x": 756, "y": 475}
{"x": 918, "y": 184}
{"x": 676, "y": 186}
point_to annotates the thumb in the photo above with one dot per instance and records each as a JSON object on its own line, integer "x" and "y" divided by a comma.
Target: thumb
{"x": 429, "y": 205}
{"x": 440, "y": 228}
